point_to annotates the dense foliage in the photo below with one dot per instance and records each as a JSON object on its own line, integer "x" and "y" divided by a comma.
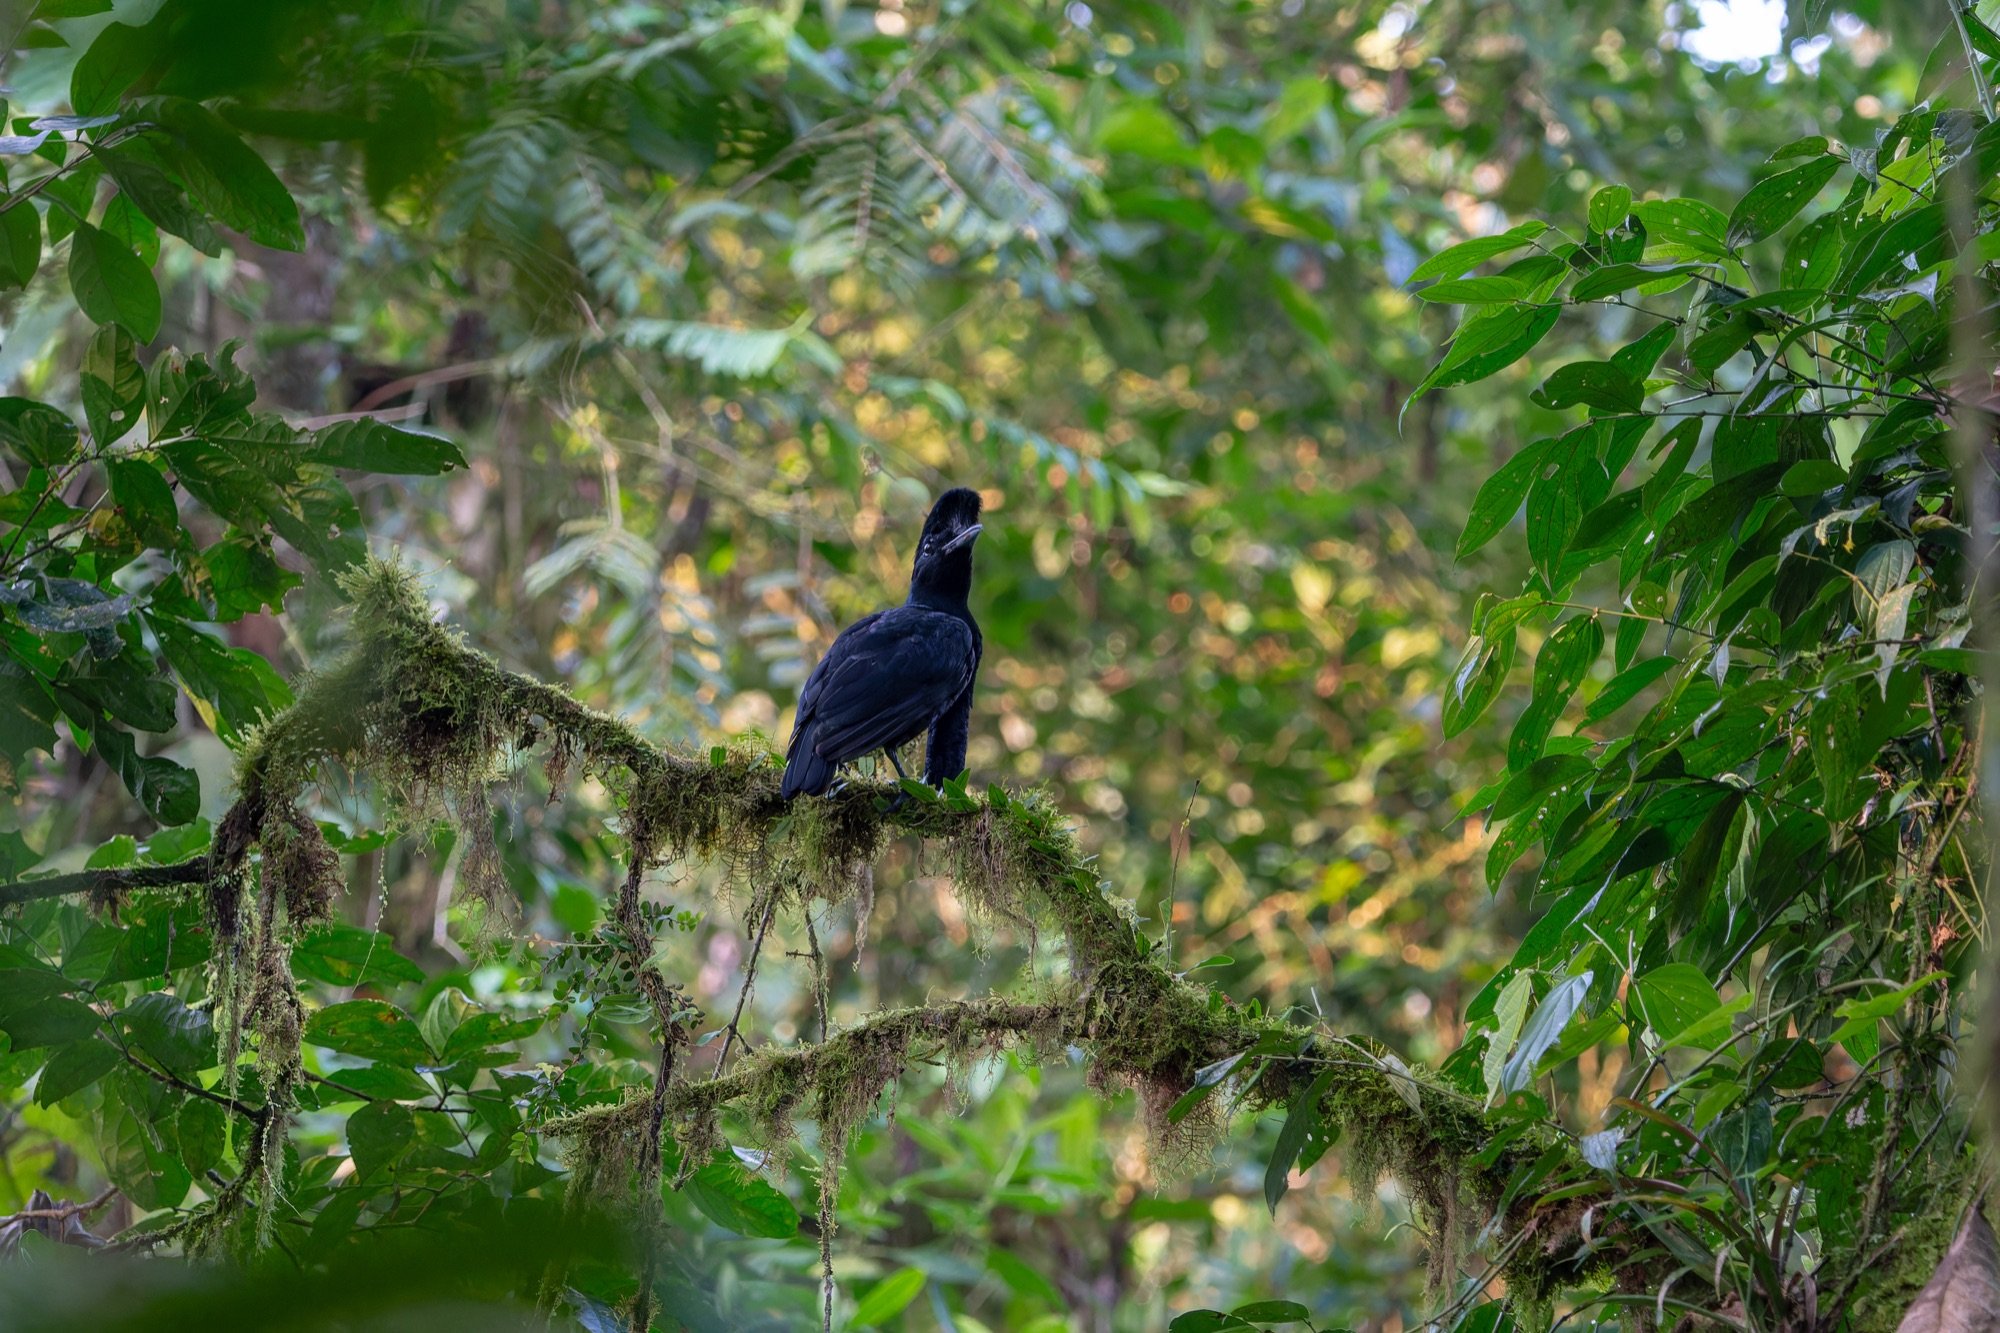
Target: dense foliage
{"x": 687, "y": 310}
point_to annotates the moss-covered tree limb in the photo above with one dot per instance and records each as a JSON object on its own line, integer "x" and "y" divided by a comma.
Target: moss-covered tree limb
{"x": 108, "y": 884}
{"x": 416, "y": 708}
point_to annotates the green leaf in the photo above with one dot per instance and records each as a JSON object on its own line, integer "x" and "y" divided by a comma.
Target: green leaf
{"x": 41, "y": 435}
{"x": 370, "y": 1028}
{"x": 739, "y": 1201}
{"x": 1776, "y": 200}
{"x": 1599, "y": 385}
{"x": 889, "y": 1297}
{"x": 1457, "y": 259}
{"x": 1474, "y": 291}
{"x": 1490, "y": 340}
{"x": 54, "y": 1022}
{"x": 20, "y": 244}
{"x": 481, "y": 1031}
{"x": 170, "y": 793}
{"x": 1625, "y": 686}
{"x": 1615, "y": 278}
{"x": 378, "y": 1135}
{"x": 1476, "y": 680}
{"x": 137, "y": 1140}
{"x": 75, "y": 1067}
{"x": 108, "y": 66}
{"x": 224, "y": 174}
{"x": 1500, "y": 496}
{"x": 1208, "y": 1321}
{"x": 1144, "y": 129}
{"x": 181, "y": 1039}
{"x": 1608, "y": 208}
{"x": 202, "y": 1130}
{"x": 1206, "y": 1080}
{"x": 374, "y": 446}
{"x": 1301, "y": 1119}
{"x": 1811, "y": 477}
{"x": 1510, "y": 1010}
{"x": 1670, "y": 999}
{"x": 343, "y": 955}
{"x": 111, "y": 285}
{"x": 146, "y": 500}
{"x": 1861, "y": 1015}
{"x": 1700, "y": 862}
{"x": 1559, "y": 668}
{"x": 1688, "y": 223}
{"x": 1551, "y": 1016}
{"x": 1273, "y": 1312}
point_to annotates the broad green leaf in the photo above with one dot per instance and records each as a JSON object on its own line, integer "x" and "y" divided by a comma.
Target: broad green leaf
{"x": 138, "y": 1141}
{"x": 1476, "y": 681}
{"x": 1670, "y": 999}
{"x": 1776, "y": 200}
{"x": 889, "y": 1297}
{"x": 344, "y": 955}
{"x": 1625, "y": 686}
{"x": 1466, "y": 255}
{"x": 109, "y": 65}
{"x": 224, "y": 175}
{"x": 1615, "y": 278}
{"x": 1208, "y": 1321}
{"x": 53, "y": 1022}
{"x": 1510, "y": 1011}
{"x": 379, "y": 1134}
{"x": 74, "y": 1067}
{"x": 739, "y": 1201}
{"x": 1687, "y": 223}
{"x": 481, "y": 1031}
{"x": 1500, "y": 496}
{"x": 1301, "y": 1119}
{"x": 1608, "y": 208}
{"x": 1551, "y": 1016}
{"x": 1490, "y": 340}
{"x": 20, "y": 244}
{"x": 181, "y": 1039}
{"x": 1599, "y": 385}
{"x": 1273, "y": 1312}
{"x": 202, "y": 1131}
{"x": 1474, "y": 291}
{"x": 1560, "y": 667}
{"x": 146, "y": 500}
{"x": 1861, "y": 1015}
{"x": 39, "y": 434}
{"x": 1712, "y": 846}
{"x": 170, "y": 793}
{"x": 1810, "y": 477}
{"x": 112, "y": 285}
{"x": 370, "y": 1028}
{"x": 374, "y": 446}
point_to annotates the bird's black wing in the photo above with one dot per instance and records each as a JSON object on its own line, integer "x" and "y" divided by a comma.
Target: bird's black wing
{"x": 884, "y": 680}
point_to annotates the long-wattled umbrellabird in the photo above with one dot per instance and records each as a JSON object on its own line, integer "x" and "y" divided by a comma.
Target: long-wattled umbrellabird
{"x": 897, "y": 674}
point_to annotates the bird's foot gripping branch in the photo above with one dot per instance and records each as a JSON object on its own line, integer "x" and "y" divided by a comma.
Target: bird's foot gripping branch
{"x": 415, "y": 709}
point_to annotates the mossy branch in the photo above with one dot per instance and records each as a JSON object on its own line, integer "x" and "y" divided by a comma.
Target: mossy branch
{"x": 413, "y": 706}
{"x": 107, "y": 884}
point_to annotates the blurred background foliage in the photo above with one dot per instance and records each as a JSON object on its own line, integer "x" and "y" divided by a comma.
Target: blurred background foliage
{"x": 713, "y": 297}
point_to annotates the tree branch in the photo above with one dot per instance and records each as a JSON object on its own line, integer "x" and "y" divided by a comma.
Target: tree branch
{"x": 107, "y": 883}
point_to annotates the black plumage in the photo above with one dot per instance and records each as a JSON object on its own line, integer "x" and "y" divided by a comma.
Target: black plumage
{"x": 897, "y": 674}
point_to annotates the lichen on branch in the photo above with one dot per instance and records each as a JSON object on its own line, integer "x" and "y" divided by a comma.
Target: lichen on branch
{"x": 415, "y": 708}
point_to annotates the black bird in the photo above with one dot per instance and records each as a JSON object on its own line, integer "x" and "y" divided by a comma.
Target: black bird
{"x": 892, "y": 676}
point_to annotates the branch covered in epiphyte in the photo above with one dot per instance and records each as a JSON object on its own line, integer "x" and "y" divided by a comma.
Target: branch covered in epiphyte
{"x": 412, "y": 706}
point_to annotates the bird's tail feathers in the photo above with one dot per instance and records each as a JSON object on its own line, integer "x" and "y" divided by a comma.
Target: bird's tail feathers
{"x": 806, "y": 772}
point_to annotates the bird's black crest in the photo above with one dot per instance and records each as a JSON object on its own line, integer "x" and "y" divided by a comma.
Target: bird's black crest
{"x": 955, "y": 510}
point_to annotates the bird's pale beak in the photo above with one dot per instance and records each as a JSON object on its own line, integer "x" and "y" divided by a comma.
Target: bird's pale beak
{"x": 962, "y": 539}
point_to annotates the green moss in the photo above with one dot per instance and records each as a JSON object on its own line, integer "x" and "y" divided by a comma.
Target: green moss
{"x": 413, "y": 707}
